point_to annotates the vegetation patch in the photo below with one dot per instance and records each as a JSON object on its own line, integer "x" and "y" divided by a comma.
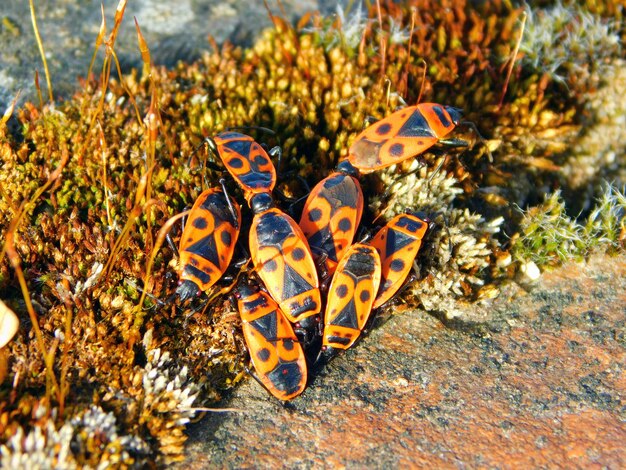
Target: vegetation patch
{"x": 101, "y": 374}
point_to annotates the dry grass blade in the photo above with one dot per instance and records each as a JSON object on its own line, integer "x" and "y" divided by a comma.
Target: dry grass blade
{"x": 167, "y": 226}
{"x": 41, "y": 50}
{"x": 403, "y": 87}
{"x": 139, "y": 314}
{"x": 52, "y": 385}
{"x": 38, "y": 88}
{"x": 99, "y": 41}
{"x": 383, "y": 41}
{"x": 144, "y": 50}
{"x": 105, "y": 154}
{"x": 117, "y": 21}
{"x": 135, "y": 212}
{"x": 512, "y": 61}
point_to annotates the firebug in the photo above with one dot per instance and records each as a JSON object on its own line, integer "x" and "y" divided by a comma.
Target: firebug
{"x": 276, "y": 354}
{"x": 397, "y": 243}
{"x": 283, "y": 260}
{"x": 246, "y": 160}
{"x": 404, "y": 134}
{"x": 331, "y": 215}
{"x": 208, "y": 242}
{"x": 351, "y": 297}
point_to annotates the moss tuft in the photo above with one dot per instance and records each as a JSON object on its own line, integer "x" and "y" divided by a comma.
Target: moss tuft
{"x": 86, "y": 186}
{"x": 549, "y": 236}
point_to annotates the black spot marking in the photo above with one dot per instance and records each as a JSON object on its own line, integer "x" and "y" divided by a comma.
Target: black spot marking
{"x": 339, "y": 340}
{"x": 263, "y": 354}
{"x": 204, "y": 275}
{"x": 270, "y": 266}
{"x": 236, "y": 163}
{"x": 410, "y": 224}
{"x": 199, "y": 223}
{"x": 443, "y": 116}
{"x": 397, "y": 265}
{"x": 287, "y": 377}
{"x": 342, "y": 291}
{"x": 254, "y": 304}
{"x": 260, "y": 160}
{"x": 315, "y": 215}
{"x": 334, "y": 180}
{"x": 396, "y": 150}
{"x": 365, "y": 295}
{"x": 298, "y": 254}
{"x": 345, "y": 224}
{"x": 383, "y": 129}
{"x": 227, "y": 239}
{"x": 288, "y": 344}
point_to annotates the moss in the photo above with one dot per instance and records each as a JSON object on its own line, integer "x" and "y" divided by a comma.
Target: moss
{"x": 548, "y": 236}
{"x": 566, "y": 41}
{"x": 605, "y": 227}
{"x": 83, "y": 244}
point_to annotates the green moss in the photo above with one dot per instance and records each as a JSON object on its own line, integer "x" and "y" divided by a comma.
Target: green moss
{"x": 549, "y": 237}
{"x": 605, "y": 227}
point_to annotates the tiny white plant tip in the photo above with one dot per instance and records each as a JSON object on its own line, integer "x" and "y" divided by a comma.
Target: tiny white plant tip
{"x": 96, "y": 271}
{"x": 529, "y": 273}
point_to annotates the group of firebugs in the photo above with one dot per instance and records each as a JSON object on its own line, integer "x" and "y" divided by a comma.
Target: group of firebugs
{"x": 282, "y": 308}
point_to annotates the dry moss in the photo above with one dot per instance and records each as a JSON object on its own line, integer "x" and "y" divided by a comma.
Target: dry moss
{"x": 314, "y": 88}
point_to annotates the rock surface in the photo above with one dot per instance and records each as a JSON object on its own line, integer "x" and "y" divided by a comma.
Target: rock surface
{"x": 535, "y": 380}
{"x": 174, "y": 31}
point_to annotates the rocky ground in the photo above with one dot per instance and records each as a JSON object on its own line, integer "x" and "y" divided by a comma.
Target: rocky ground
{"x": 535, "y": 380}
{"x": 174, "y": 31}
